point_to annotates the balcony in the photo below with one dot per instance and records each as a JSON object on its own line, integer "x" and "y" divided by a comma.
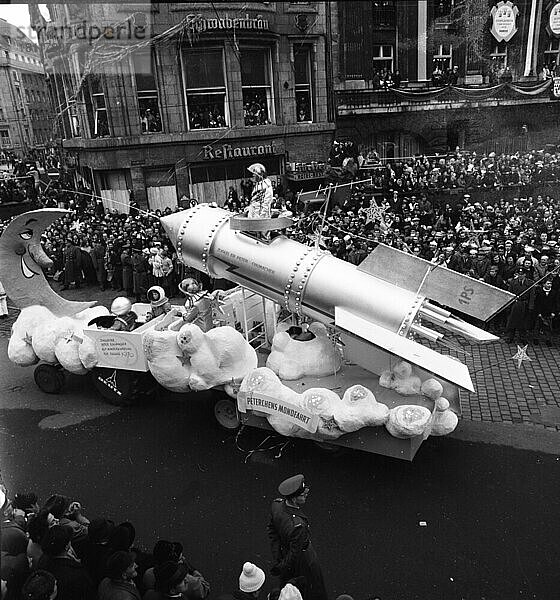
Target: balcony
{"x": 372, "y": 101}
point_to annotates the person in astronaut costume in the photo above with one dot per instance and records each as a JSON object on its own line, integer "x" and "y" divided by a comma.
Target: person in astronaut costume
{"x": 262, "y": 195}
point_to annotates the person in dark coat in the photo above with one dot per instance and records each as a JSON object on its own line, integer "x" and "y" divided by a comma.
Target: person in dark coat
{"x": 119, "y": 583}
{"x": 126, "y": 261}
{"x": 73, "y": 580}
{"x": 40, "y": 585}
{"x": 14, "y": 567}
{"x": 98, "y": 257}
{"x": 140, "y": 268}
{"x": 72, "y": 265}
{"x": 96, "y": 549}
{"x": 519, "y": 313}
{"x": 546, "y": 308}
{"x": 290, "y": 539}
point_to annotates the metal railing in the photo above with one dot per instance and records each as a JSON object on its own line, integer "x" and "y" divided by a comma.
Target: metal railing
{"x": 372, "y": 98}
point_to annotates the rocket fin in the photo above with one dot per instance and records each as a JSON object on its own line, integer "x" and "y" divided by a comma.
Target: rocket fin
{"x": 443, "y": 366}
{"x": 443, "y": 285}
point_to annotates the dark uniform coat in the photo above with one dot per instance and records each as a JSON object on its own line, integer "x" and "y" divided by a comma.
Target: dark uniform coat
{"x": 126, "y": 262}
{"x": 545, "y": 304}
{"x": 292, "y": 550}
{"x": 519, "y": 315}
{"x": 72, "y": 264}
{"x": 140, "y": 269}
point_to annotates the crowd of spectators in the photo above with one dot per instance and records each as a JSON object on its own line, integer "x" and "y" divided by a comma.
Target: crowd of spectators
{"x": 496, "y": 239}
{"x": 384, "y": 78}
{"x": 464, "y": 170}
{"x": 54, "y": 551}
{"x": 442, "y": 75}
{"x": 255, "y": 108}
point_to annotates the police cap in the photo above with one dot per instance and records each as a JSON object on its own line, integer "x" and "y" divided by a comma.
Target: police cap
{"x": 292, "y": 486}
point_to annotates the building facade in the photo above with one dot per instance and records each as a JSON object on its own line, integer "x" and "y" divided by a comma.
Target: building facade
{"x": 173, "y": 99}
{"x": 425, "y": 76}
{"x": 25, "y": 109}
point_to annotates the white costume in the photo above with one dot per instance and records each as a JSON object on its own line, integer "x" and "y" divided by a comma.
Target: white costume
{"x": 261, "y": 200}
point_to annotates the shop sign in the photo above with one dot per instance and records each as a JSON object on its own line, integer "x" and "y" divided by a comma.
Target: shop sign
{"x": 556, "y": 87}
{"x": 553, "y": 25}
{"x": 270, "y": 405}
{"x": 504, "y": 21}
{"x": 297, "y": 171}
{"x": 227, "y": 151}
{"x": 201, "y": 24}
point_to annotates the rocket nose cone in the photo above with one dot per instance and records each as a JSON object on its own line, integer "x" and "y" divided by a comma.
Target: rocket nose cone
{"x": 172, "y": 224}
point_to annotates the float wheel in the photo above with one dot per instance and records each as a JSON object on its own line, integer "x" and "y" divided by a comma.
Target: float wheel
{"x": 49, "y": 378}
{"x": 225, "y": 411}
{"x": 123, "y": 388}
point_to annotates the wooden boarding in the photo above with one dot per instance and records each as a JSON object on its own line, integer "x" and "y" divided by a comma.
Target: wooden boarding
{"x": 443, "y": 285}
{"x": 245, "y": 224}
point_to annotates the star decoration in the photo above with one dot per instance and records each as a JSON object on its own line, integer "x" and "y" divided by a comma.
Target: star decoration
{"x": 329, "y": 424}
{"x": 374, "y": 213}
{"x": 184, "y": 360}
{"x": 521, "y": 355}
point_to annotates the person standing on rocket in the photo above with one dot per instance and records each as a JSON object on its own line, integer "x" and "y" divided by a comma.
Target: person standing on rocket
{"x": 262, "y": 195}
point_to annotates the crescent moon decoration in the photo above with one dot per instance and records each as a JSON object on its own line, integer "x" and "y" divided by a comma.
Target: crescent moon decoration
{"x": 22, "y": 260}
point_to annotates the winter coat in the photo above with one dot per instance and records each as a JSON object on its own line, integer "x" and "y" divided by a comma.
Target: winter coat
{"x": 292, "y": 550}
{"x": 126, "y": 261}
{"x": 72, "y": 257}
{"x": 140, "y": 268}
{"x": 110, "y": 589}
{"x": 73, "y": 581}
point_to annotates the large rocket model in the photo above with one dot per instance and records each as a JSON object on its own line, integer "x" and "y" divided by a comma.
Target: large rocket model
{"x": 384, "y": 300}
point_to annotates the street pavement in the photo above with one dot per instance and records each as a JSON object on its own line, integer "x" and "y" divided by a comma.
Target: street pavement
{"x": 474, "y": 516}
{"x": 463, "y": 521}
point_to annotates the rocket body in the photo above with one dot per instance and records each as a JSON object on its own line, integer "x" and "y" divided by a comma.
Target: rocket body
{"x": 302, "y": 279}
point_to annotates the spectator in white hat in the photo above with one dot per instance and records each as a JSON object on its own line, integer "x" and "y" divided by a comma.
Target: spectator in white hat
{"x": 251, "y": 581}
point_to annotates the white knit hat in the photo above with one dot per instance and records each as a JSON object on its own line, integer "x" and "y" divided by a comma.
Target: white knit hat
{"x": 251, "y": 578}
{"x": 290, "y": 592}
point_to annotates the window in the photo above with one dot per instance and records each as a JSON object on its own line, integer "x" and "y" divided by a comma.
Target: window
{"x": 15, "y": 75}
{"x": 1, "y": 114}
{"x": 382, "y": 57}
{"x": 257, "y": 90}
{"x": 146, "y": 92}
{"x": 5, "y": 137}
{"x": 205, "y": 88}
{"x": 499, "y": 54}
{"x": 499, "y": 71}
{"x": 443, "y": 57}
{"x": 302, "y": 75}
{"x": 100, "y": 121}
{"x": 552, "y": 53}
{"x": 384, "y": 14}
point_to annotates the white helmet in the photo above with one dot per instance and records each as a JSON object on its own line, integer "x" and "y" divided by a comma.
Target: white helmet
{"x": 121, "y": 306}
{"x": 257, "y": 169}
{"x": 156, "y": 296}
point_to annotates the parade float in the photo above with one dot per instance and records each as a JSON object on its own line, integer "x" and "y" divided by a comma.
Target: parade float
{"x": 307, "y": 345}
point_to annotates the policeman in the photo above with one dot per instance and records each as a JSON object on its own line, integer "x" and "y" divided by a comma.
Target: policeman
{"x": 288, "y": 530}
